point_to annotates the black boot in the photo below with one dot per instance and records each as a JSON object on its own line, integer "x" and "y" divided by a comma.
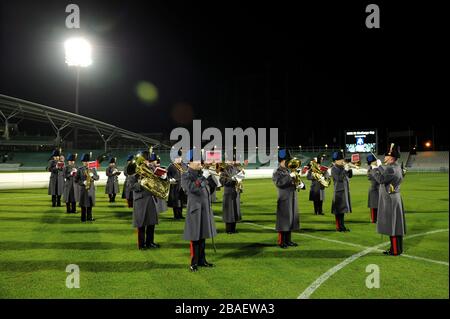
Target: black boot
{"x": 141, "y": 237}
{"x": 233, "y": 228}
{"x": 282, "y": 239}
{"x": 316, "y": 212}
{"x": 83, "y": 214}
{"x": 320, "y": 205}
{"x": 110, "y": 198}
{"x": 228, "y": 228}
{"x": 53, "y": 200}
{"x": 113, "y": 198}
{"x": 73, "y": 208}
{"x": 58, "y": 198}
{"x": 289, "y": 240}
{"x": 344, "y": 229}
{"x": 68, "y": 211}
{"x": 195, "y": 252}
{"x": 202, "y": 255}
{"x": 89, "y": 214}
{"x": 150, "y": 237}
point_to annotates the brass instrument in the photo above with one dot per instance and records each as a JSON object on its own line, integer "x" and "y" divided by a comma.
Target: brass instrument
{"x": 294, "y": 165}
{"x": 87, "y": 173}
{"x": 180, "y": 168}
{"x": 319, "y": 175}
{"x": 149, "y": 181}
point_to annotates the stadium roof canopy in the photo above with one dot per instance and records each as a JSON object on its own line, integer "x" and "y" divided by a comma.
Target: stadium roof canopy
{"x": 11, "y": 107}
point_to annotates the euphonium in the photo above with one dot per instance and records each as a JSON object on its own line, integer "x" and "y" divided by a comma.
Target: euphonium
{"x": 319, "y": 175}
{"x": 87, "y": 173}
{"x": 149, "y": 181}
{"x": 294, "y": 165}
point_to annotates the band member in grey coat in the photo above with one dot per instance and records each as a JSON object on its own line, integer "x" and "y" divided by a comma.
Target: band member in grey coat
{"x": 112, "y": 184}
{"x": 373, "y": 190}
{"x": 231, "y": 201}
{"x": 391, "y": 213}
{"x": 317, "y": 190}
{"x": 56, "y": 184}
{"x": 71, "y": 189}
{"x": 177, "y": 197}
{"x": 86, "y": 175}
{"x": 145, "y": 209}
{"x": 288, "y": 219}
{"x": 127, "y": 193}
{"x": 341, "y": 197}
{"x": 199, "y": 223}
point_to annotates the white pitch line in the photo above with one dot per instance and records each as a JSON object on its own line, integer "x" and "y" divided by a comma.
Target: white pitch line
{"x": 325, "y": 276}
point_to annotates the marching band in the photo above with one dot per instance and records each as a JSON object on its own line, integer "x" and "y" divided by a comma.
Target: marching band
{"x": 150, "y": 188}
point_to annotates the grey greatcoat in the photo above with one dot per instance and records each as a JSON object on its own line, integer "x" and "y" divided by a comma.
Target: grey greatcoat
{"x": 176, "y": 195}
{"x": 391, "y": 214}
{"x": 231, "y": 202}
{"x": 317, "y": 191}
{"x": 71, "y": 189}
{"x": 341, "y": 196}
{"x": 373, "y": 190}
{"x": 199, "y": 216}
{"x": 145, "y": 210}
{"x": 287, "y": 204}
{"x": 56, "y": 183}
{"x": 126, "y": 190}
{"x": 87, "y": 196}
{"x": 112, "y": 184}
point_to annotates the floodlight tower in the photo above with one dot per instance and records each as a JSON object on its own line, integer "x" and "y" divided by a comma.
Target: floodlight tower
{"x": 78, "y": 55}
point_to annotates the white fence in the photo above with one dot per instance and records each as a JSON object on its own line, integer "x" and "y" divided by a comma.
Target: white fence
{"x": 40, "y": 180}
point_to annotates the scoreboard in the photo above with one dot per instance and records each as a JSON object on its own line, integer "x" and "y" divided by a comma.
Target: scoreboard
{"x": 361, "y": 141}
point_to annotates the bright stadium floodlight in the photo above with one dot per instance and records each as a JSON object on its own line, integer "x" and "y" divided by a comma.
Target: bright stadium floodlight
{"x": 78, "y": 52}
{"x": 78, "y": 55}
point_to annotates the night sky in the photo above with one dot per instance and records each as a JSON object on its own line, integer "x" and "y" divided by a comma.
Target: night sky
{"x": 310, "y": 70}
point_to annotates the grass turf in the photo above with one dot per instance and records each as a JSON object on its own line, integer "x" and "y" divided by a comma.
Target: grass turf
{"x": 38, "y": 242}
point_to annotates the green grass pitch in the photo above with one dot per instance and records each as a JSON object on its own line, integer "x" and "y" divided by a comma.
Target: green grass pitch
{"x": 38, "y": 242}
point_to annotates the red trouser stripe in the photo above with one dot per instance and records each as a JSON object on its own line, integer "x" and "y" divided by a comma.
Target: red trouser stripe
{"x": 394, "y": 245}
{"x": 192, "y": 249}
{"x": 337, "y": 222}
{"x": 372, "y": 214}
{"x": 279, "y": 238}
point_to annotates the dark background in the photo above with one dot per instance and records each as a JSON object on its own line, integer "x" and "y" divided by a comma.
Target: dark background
{"x": 310, "y": 70}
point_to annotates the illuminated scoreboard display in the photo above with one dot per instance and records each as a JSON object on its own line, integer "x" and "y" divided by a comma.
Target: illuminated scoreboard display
{"x": 362, "y": 141}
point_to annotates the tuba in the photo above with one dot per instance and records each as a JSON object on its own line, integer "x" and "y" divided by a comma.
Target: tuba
{"x": 150, "y": 181}
{"x": 294, "y": 165}
{"x": 319, "y": 175}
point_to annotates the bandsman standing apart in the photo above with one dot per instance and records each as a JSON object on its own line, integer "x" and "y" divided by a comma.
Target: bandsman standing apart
{"x": 56, "y": 183}
{"x": 199, "y": 223}
{"x": 317, "y": 190}
{"x": 145, "y": 206}
{"x": 85, "y": 179}
{"x": 112, "y": 184}
{"x": 176, "y": 194}
{"x": 341, "y": 197}
{"x": 71, "y": 189}
{"x": 391, "y": 213}
{"x": 287, "y": 204}
{"x": 127, "y": 193}
{"x": 373, "y": 190}
{"x": 231, "y": 201}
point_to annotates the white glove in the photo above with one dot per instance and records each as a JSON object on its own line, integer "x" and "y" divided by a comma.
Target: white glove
{"x": 292, "y": 174}
{"x": 234, "y": 178}
{"x": 301, "y": 185}
{"x": 172, "y": 180}
{"x": 164, "y": 176}
{"x": 378, "y": 163}
{"x": 206, "y": 173}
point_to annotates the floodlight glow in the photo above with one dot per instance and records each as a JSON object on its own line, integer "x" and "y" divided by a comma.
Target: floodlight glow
{"x": 78, "y": 52}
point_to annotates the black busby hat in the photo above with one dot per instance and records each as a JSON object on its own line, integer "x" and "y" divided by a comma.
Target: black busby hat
{"x": 112, "y": 160}
{"x": 338, "y": 155}
{"x": 320, "y": 157}
{"x": 394, "y": 151}
{"x": 86, "y": 157}
{"x": 55, "y": 153}
{"x": 131, "y": 168}
{"x": 370, "y": 159}
{"x": 72, "y": 157}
